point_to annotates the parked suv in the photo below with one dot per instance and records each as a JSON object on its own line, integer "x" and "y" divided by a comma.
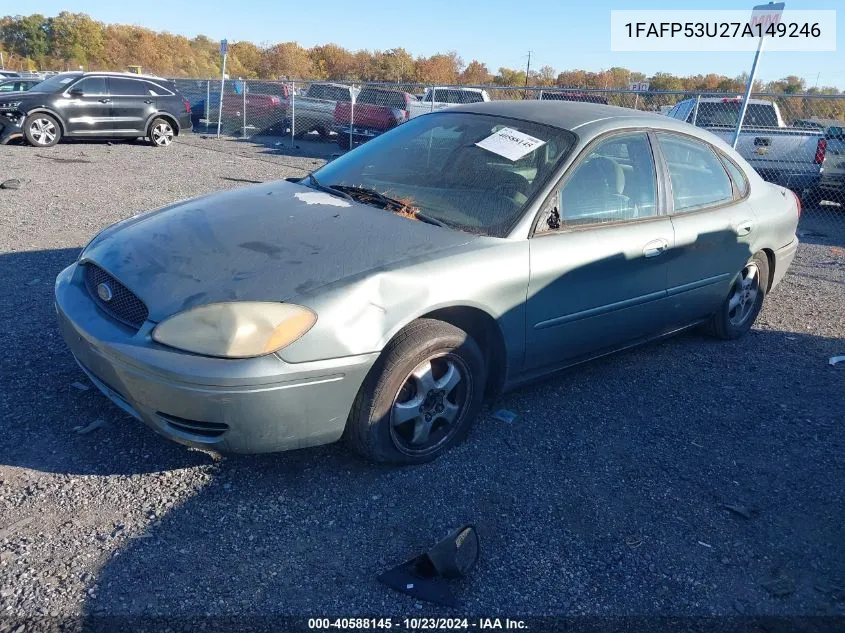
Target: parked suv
{"x": 95, "y": 105}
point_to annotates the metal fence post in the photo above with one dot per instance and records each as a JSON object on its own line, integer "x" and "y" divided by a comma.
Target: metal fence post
{"x": 207, "y": 102}
{"x": 292, "y": 112}
{"x": 243, "y": 90}
{"x": 351, "y": 118}
{"x": 431, "y": 94}
{"x": 695, "y": 109}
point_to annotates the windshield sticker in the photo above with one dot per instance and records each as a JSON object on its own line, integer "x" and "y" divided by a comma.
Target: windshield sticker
{"x": 511, "y": 144}
{"x": 318, "y": 197}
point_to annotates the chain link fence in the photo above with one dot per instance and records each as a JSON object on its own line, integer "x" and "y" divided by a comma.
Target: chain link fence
{"x": 796, "y": 140}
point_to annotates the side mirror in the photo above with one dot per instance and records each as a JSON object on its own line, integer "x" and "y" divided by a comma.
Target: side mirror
{"x": 75, "y": 92}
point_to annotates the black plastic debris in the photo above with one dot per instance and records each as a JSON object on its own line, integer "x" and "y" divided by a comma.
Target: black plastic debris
{"x": 422, "y": 576}
{"x": 13, "y": 183}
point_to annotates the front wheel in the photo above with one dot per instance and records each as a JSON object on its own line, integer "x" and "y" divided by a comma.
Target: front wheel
{"x": 42, "y": 130}
{"x": 421, "y": 397}
{"x": 161, "y": 133}
{"x": 744, "y": 302}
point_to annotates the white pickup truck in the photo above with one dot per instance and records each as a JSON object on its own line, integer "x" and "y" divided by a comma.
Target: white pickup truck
{"x": 788, "y": 156}
{"x": 438, "y": 98}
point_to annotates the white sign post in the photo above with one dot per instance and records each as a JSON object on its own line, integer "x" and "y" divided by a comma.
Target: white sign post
{"x": 638, "y": 87}
{"x": 762, "y": 16}
{"x": 224, "y": 50}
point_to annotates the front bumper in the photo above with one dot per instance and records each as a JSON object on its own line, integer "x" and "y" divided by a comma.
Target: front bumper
{"x": 11, "y": 127}
{"x": 255, "y": 405}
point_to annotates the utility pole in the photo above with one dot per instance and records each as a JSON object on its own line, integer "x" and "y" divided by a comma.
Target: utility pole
{"x": 527, "y": 70}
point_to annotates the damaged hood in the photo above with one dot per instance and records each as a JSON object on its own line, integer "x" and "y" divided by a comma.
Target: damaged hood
{"x": 270, "y": 242}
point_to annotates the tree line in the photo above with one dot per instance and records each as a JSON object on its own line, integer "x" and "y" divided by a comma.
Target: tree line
{"x": 69, "y": 41}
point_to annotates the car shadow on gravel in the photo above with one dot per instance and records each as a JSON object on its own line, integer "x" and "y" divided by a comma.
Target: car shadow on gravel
{"x": 689, "y": 477}
{"x": 56, "y": 420}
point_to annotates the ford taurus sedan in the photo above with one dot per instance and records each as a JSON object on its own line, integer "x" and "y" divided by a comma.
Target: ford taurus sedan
{"x": 384, "y": 296}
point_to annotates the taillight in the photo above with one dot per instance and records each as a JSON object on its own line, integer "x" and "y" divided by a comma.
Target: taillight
{"x": 821, "y": 149}
{"x": 275, "y": 101}
{"x": 187, "y": 105}
{"x": 797, "y": 202}
{"x": 399, "y": 115}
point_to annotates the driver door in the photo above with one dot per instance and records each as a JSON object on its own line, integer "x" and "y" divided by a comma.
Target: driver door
{"x": 599, "y": 270}
{"x": 87, "y": 107}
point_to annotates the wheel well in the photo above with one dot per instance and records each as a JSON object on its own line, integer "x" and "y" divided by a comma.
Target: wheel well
{"x": 770, "y": 255}
{"x": 486, "y": 332}
{"x": 52, "y": 114}
{"x": 161, "y": 115}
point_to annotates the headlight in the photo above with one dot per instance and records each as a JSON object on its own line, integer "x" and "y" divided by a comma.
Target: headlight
{"x": 239, "y": 329}
{"x": 9, "y": 105}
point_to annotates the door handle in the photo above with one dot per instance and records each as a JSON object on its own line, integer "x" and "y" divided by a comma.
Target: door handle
{"x": 148, "y": 100}
{"x": 744, "y": 228}
{"x": 655, "y": 248}
{"x": 104, "y": 100}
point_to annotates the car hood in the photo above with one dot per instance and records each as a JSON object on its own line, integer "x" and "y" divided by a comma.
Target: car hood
{"x": 269, "y": 242}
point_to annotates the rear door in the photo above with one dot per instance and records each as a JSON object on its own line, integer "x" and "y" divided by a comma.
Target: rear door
{"x": 713, "y": 221}
{"x": 599, "y": 273}
{"x": 87, "y": 107}
{"x": 132, "y": 105}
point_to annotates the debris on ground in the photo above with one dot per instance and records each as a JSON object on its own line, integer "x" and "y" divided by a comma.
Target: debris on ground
{"x": 738, "y": 508}
{"x": 84, "y": 430}
{"x": 33, "y": 282}
{"x": 834, "y": 360}
{"x": 421, "y": 576}
{"x": 506, "y": 416}
{"x": 79, "y": 385}
{"x": 12, "y": 183}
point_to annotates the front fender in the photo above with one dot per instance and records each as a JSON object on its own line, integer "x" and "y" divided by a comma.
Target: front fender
{"x": 362, "y": 316}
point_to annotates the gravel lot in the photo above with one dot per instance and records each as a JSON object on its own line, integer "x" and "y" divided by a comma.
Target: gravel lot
{"x": 607, "y": 496}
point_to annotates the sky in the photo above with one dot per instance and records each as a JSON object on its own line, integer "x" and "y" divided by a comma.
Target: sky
{"x": 563, "y": 34}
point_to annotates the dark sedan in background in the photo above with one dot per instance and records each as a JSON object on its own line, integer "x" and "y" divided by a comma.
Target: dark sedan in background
{"x": 95, "y": 105}
{"x": 17, "y": 85}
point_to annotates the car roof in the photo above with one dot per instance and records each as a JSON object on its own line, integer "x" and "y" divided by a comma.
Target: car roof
{"x": 127, "y": 75}
{"x": 567, "y": 115}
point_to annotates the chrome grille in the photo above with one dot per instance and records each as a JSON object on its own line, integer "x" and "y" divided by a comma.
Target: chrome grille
{"x": 123, "y": 306}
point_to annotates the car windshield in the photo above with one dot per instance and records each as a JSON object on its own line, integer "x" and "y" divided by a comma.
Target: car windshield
{"x": 473, "y": 172}
{"x": 55, "y": 82}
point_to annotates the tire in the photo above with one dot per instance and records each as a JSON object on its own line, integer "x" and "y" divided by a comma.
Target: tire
{"x": 324, "y": 133}
{"x": 343, "y": 141}
{"x": 42, "y": 130}
{"x": 735, "y": 319}
{"x": 160, "y": 132}
{"x": 421, "y": 397}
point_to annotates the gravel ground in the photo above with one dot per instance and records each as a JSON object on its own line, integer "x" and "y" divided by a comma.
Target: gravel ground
{"x": 690, "y": 477}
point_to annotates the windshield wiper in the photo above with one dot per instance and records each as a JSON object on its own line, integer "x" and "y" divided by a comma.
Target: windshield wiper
{"x": 387, "y": 202}
{"x": 332, "y": 190}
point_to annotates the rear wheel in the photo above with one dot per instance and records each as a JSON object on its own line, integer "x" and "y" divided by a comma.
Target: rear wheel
{"x": 744, "y": 301}
{"x": 42, "y": 130}
{"x": 421, "y": 397}
{"x": 161, "y": 133}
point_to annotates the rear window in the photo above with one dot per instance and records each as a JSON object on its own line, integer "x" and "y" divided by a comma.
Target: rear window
{"x": 725, "y": 114}
{"x": 572, "y": 96}
{"x": 330, "y": 93}
{"x": 388, "y": 98}
{"x": 119, "y": 86}
{"x": 457, "y": 96}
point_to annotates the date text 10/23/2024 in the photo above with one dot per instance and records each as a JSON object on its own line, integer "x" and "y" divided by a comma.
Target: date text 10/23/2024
{"x": 417, "y": 624}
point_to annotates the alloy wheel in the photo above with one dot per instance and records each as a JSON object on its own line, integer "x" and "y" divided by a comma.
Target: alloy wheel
{"x": 43, "y": 131}
{"x": 743, "y": 296}
{"x": 430, "y": 405}
{"x": 162, "y": 134}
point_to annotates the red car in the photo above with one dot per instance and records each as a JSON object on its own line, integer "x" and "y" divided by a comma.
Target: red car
{"x": 374, "y": 111}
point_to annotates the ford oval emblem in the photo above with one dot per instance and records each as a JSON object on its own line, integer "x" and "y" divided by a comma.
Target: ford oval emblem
{"x": 104, "y": 292}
